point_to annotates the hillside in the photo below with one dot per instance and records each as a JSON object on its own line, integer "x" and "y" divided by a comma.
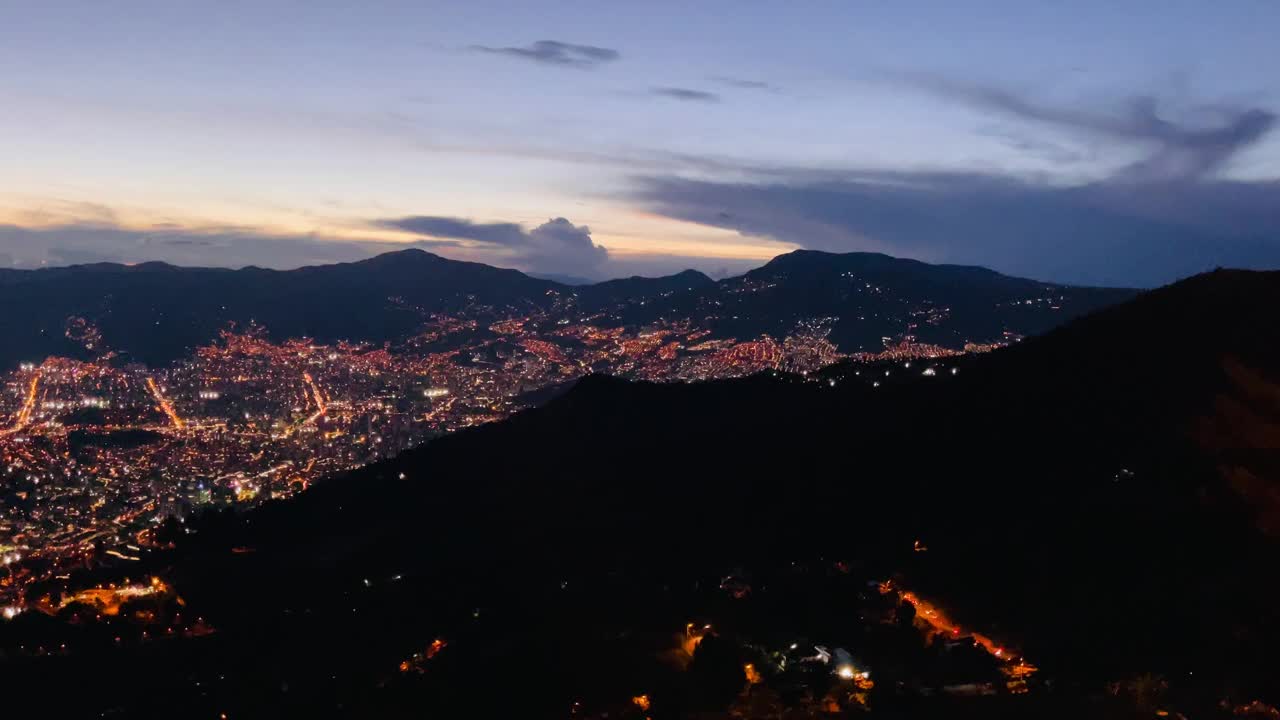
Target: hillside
{"x": 867, "y": 297}
{"x": 1097, "y": 497}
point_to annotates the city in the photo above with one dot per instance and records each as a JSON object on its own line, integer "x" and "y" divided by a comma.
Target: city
{"x": 100, "y": 453}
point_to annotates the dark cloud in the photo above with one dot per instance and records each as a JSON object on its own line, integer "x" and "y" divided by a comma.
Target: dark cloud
{"x": 685, "y": 94}
{"x": 742, "y": 83}
{"x": 1105, "y": 233}
{"x": 553, "y": 52}
{"x": 1176, "y": 151}
{"x": 508, "y": 234}
{"x": 555, "y": 246}
{"x": 1167, "y": 215}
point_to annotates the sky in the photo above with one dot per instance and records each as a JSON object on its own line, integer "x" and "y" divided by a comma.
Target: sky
{"x": 1086, "y": 142}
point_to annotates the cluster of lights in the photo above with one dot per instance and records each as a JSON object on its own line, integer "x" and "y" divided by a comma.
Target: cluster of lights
{"x": 251, "y": 454}
{"x": 849, "y": 672}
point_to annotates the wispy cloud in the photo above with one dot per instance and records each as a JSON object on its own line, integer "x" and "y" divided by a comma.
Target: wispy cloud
{"x": 685, "y": 94}
{"x": 1167, "y": 215}
{"x": 1178, "y": 151}
{"x": 742, "y": 83}
{"x": 554, "y": 52}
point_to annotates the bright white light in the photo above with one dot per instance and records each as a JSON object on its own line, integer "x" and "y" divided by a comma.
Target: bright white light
{"x": 845, "y": 671}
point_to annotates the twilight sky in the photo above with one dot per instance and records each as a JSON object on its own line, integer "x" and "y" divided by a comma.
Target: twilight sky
{"x": 1097, "y": 142}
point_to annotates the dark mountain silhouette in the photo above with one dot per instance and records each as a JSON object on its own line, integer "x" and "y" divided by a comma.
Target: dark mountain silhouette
{"x": 1101, "y": 498}
{"x": 870, "y": 297}
{"x": 156, "y": 313}
{"x": 636, "y": 288}
{"x": 562, "y": 279}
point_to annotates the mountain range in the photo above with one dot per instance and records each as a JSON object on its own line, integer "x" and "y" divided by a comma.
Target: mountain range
{"x": 156, "y": 313}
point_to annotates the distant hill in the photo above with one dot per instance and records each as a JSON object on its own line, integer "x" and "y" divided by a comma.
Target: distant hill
{"x": 156, "y": 313}
{"x": 562, "y": 279}
{"x": 869, "y": 297}
{"x": 640, "y": 289}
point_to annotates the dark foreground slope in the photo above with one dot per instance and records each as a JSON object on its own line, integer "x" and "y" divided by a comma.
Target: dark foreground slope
{"x": 1100, "y": 498}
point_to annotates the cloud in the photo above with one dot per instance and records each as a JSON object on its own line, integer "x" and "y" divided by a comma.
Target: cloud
{"x": 556, "y": 246}
{"x": 1053, "y": 152}
{"x": 90, "y": 242}
{"x": 1102, "y": 233}
{"x": 553, "y": 52}
{"x": 1175, "y": 151}
{"x": 1166, "y": 215}
{"x": 742, "y": 83}
{"x": 508, "y": 234}
{"x": 685, "y": 94}
{"x": 561, "y": 244}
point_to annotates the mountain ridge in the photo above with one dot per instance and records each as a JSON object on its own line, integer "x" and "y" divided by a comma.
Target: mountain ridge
{"x": 155, "y": 312}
